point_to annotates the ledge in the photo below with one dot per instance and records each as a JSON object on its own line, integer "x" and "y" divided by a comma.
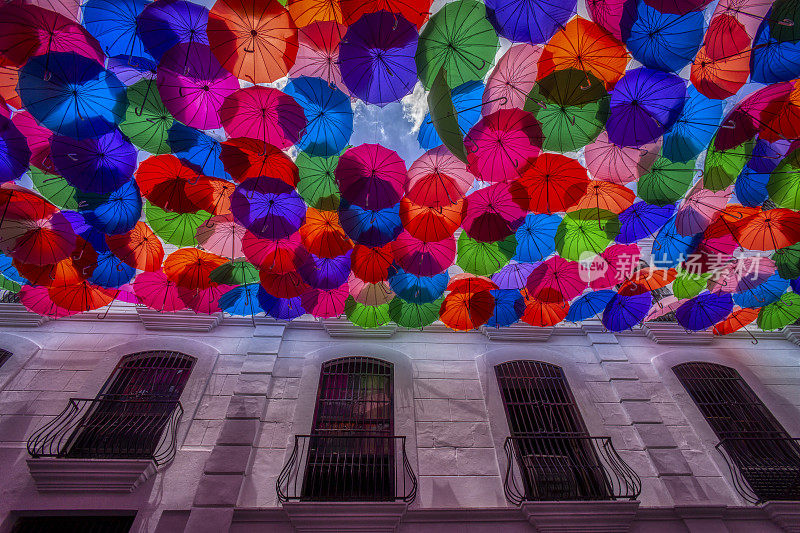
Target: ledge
{"x": 17, "y": 315}
{"x": 580, "y": 516}
{"x": 792, "y": 334}
{"x": 518, "y": 332}
{"x": 674, "y": 333}
{"x": 785, "y": 515}
{"x": 89, "y": 475}
{"x": 344, "y": 328}
{"x": 345, "y": 516}
{"x": 177, "y": 321}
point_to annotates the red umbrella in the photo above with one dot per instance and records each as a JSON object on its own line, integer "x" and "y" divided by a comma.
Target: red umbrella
{"x": 495, "y": 212}
{"x": 612, "y": 266}
{"x": 499, "y": 144}
{"x": 543, "y": 314}
{"x": 204, "y": 300}
{"x": 38, "y": 139}
{"x": 371, "y": 176}
{"x": 554, "y": 183}
{"x": 423, "y": 258}
{"x": 438, "y": 178}
{"x": 250, "y": 158}
{"x": 463, "y": 311}
{"x": 157, "y": 291}
{"x": 769, "y": 230}
{"x": 431, "y": 223}
{"x": 415, "y": 11}
{"x": 607, "y": 196}
{"x": 190, "y": 268}
{"x": 79, "y": 266}
{"x": 265, "y": 114}
{"x": 738, "y": 319}
{"x": 278, "y": 255}
{"x": 372, "y": 264}
{"x": 325, "y": 303}
{"x": 39, "y": 237}
{"x": 285, "y": 285}
{"x": 81, "y": 296}
{"x": 647, "y": 280}
{"x": 165, "y": 181}
{"x": 140, "y": 248}
{"x": 212, "y": 195}
{"x": 556, "y": 280}
{"x": 470, "y": 283}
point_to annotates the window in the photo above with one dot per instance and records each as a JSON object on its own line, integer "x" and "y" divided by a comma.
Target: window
{"x": 351, "y": 450}
{"x": 4, "y": 356}
{"x": 85, "y": 524}
{"x": 752, "y": 438}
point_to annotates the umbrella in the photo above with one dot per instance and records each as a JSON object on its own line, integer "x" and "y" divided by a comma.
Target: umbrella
{"x": 484, "y": 258}
{"x": 610, "y": 14}
{"x": 190, "y": 268}
{"x": 37, "y": 299}
{"x": 282, "y": 308}
{"x": 423, "y": 258}
{"x": 780, "y": 313}
{"x": 787, "y": 261}
{"x": 647, "y": 280}
{"x": 372, "y": 264}
{"x": 245, "y": 158}
{"x": 58, "y": 191}
{"x": 624, "y": 312}
{"x": 544, "y": 314}
{"x": 376, "y": 58}
{"x": 72, "y": 95}
{"x": 694, "y": 127}
{"x": 737, "y": 320}
{"x": 784, "y": 182}
{"x": 325, "y": 273}
{"x": 268, "y": 207}
{"x": 329, "y": 118}
{"x": 452, "y": 113}
{"x": 235, "y": 272}
{"x": 318, "y": 51}
{"x": 509, "y": 306}
{"x": 494, "y": 212}
{"x": 511, "y": 79}
{"x": 437, "y": 178}
{"x": 371, "y": 176}
{"x": 612, "y": 266}
{"x": 323, "y": 235}
{"x": 81, "y": 296}
{"x": 242, "y": 300}
{"x": 147, "y": 121}
{"x": 585, "y": 233}
{"x": 114, "y": 24}
{"x": 720, "y": 77}
{"x": 175, "y": 228}
{"x": 699, "y": 208}
{"x": 522, "y": 21}
{"x": 644, "y": 104}
{"x": 40, "y": 237}
{"x": 166, "y": 23}
{"x": 555, "y": 280}
{"x": 460, "y": 39}
{"x": 276, "y": 255}
{"x": 666, "y": 182}
{"x": 119, "y": 212}
{"x": 412, "y": 315}
{"x": 723, "y": 166}
{"x": 257, "y": 42}
{"x": 662, "y": 40}
{"x": 430, "y": 223}
{"x": 536, "y": 237}
{"x": 641, "y": 220}
{"x": 750, "y": 187}
{"x": 671, "y": 247}
{"x": 221, "y": 235}
{"x": 366, "y": 316}
{"x": 464, "y": 311}
{"x": 165, "y": 182}
{"x": 772, "y": 61}
{"x": 211, "y": 194}
{"x": 604, "y": 195}
{"x": 325, "y": 303}
{"x": 765, "y": 293}
{"x": 317, "y": 181}
{"x": 416, "y": 289}
{"x": 37, "y": 138}
{"x": 111, "y": 272}
{"x": 15, "y": 153}
{"x": 768, "y": 230}
{"x": 513, "y": 275}
{"x": 589, "y": 305}
{"x": 372, "y": 228}
{"x": 499, "y": 144}
{"x": 554, "y": 183}
{"x": 416, "y": 11}
{"x": 371, "y": 293}
{"x": 139, "y": 248}
{"x": 97, "y": 165}
{"x": 742, "y": 274}
{"x": 200, "y": 151}
{"x": 619, "y": 164}
{"x": 264, "y": 113}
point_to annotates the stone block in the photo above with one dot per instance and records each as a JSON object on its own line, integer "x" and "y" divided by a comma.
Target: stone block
{"x": 246, "y": 406}
{"x": 630, "y": 390}
{"x": 639, "y": 461}
{"x": 670, "y": 413}
{"x": 268, "y": 330}
{"x": 437, "y": 462}
{"x": 442, "y": 388}
{"x": 460, "y": 491}
{"x": 228, "y": 460}
{"x": 619, "y": 370}
{"x": 700, "y": 463}
{"x": 467, "y": 410}
{"x": 276, "y": 435}
{"x": 602, "y": 392}
{"x": 461, "y": 369}
{"x": 684, "y": 490}
{"x": 642, "y": 412}
{"x": 426, "y": 368}
{"x": 610, "y": 352}
{"x": 252, "y": 384}
{"x": 258, "y": 364}
{"x": 432, "y": 410}
{"x": 655, "y": 436}
{"x": 209, "y": 519}
{"x": 218, "y": 490}
{"x": 669, "y": 462}
{"x": 238, "y": 432}
{"x": 212, "y": 407}
{"x": 279, "y": 410}
{"x": 613, "y": 414}
{"x": 477, "y": 462}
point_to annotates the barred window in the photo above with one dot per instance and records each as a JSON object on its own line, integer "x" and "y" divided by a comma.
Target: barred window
{"x": 4, "y": 356}
{"x": 84, "y": 524}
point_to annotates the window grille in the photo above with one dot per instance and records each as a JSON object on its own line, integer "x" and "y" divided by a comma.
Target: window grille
{"x": 82, "y": 524}
{"x": 4, "y": 356}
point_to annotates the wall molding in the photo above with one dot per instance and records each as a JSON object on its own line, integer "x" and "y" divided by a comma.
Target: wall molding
{"x": 63, "y": 474}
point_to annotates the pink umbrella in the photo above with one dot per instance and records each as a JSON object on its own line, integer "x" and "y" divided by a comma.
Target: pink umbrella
{"x": 613, "y": 265}
{"x": 556, "y": 280}
{"x": 204, "y": 300}
{"x": 263, "y": 113}
{"x": 193, "y": 85}
{"x": 512, "y": 78}
{"x": 609, "y": 162}
{"x": 69, "y": 8}
{"x": 495, "y": 212}
{"x": 423, "y": 258}
{"x": 125, "y": 294}
{"x": 371, "y": 176}
{"x": 38, "y": 139}
{"x": 279, "y": 255}
{"x": 373, "y": 294}
{"x": 712, "y": 253}
{"x": 222, "y": 235}
{"x": 438, "y": 178}
{"x": 608, "y": 14}
{"x": 36, "y": 298}
{"x": 318, "y": 55}
{"x": 742, "y": 274}
{"x": 749, "y": 12}
{"x": 499, "y": 144}
{"x": 700, "y": 207}
{"x": 154, "y": 290}
{"x": 325, "y": 303}
{"x": 664, "y": 306}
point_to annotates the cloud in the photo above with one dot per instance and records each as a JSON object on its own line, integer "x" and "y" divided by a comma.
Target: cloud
{"x": 415, "y": 107}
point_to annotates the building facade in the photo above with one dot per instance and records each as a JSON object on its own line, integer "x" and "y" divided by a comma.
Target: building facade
{"x": 138, "y": 421}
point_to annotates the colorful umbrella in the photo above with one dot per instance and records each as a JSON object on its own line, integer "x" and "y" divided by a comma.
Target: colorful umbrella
{"x": 536, "y": 237}
{"x": 245, "y": 158}
{"x": 494, "y": 212}
{"x": 556, "y": 280}
{"x": 329, "y": 118}
{"x": 624, "y": 312}
{"x": 484, "y": 258}
{"x": 268, "y": 207}
{"x": 371, "y": 176}
{"x": 589, "y": 305}
{"x": 317, "y": 181}
{"x": 164, "y": 24}
{"x": 318, "y": 51}
{"x": 554, "y": 183}
{"x": 437, "y": 178}
{"x": 412, "y": 288}
{"x": 263, "y": 113}
{"x": 412, "y": 315}
{"x": 511, "y": 79}
{"x": 423, "y": 258}
{"x": 522, "y": 21}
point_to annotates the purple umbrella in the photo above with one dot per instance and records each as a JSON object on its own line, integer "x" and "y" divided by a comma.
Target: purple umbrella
{"x": 163, "y": 24}
{"x": 526, "y": 21}
{"x": 326, "y": 272}
{"x": 703, "y": 311}
{"x": 281, "y": 308}
{"x": 14, "y": 151}
{"x": 642, "y": 220}
{"x": 268, "y": 207}
{"x": 644, "y": 104}
{"x": 100, "y": 165}
{"x": 624, "y": 312}
{"x": 193, "y": 85}
{"x": 514, "y": 275}
{"x": 376, "y": 58}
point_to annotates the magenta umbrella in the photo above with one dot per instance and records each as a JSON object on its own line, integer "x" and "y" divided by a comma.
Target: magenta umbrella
{"x": 700, "y": 207}
{"x": 265, "y": 114}
{"x": 371, "y": 176}
{"x": 495, "y": 212}
{"x": 325, "y": 303}
{"x": 423, "y": 258}
{"x": 556, "y": 280}
{"x": 611, "y": 266}
{"x": 499, "y": 144}
{"x": 318, "y": 53}
{"x": 192, "y": 84}
{"x": 156, "y": 291}
{"x": 512, "y": 79}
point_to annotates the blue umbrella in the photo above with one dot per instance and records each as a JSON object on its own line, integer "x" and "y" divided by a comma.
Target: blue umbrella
{"x": 8, "y": 270}
{"x": 110, "y": 271}
{"x": 328, "y": 114}
{"x": 536, "y": 237}
{"x": 641, "y": 220}
{"x": 772, "y": 61}
{"x": 14, "y": 151}
{"x": 763, "y": 294}
{"x": 589, "y": 305}
{"x": 751, "y": 187}
{"x": 98, "y": 165}
{"x": 368, "y": 227}
{"x": 467, "y": 100}
{"x": 526, "y": 21}
{"x": 694, "y": 128}
{"x": 119, "y": 213}
{"x": 664, "y": 41}
{"x": 624, "y": 312}
{"x": 704, "y": 310}
{"x": 795, "y": 284}
{"x": 244, "y": 300}
{"x": 325, "y": 273}
{"x": 766, "y": 156}
{"x": 72, "y": 95}
{"x": 509, "y": 306}
{"x": 131, "y": 69}
{"x": 113, "y": 24}
{"x": 670, "y": 248}
{"x": 165, "y": 23}
{"x": 417, "y": 289}
{"x": 281, "y": 308}
{"x": 199, "y": 150}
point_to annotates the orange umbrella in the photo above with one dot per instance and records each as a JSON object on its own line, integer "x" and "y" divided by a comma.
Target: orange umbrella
{"x": 646, "y": 280}
{"x": 190, "y": 267}
{"x": 431, "y": 223}
{"x": 165, "y": 181}
{"x": 9, "y": 78}
{"x": 140, "y": 248}
{"x": 81, "y": 296}
{"x": 722, "y": 77}
{"x": 305, "y": 12}
{"x": 322, "y": 234}
{"x": 768, "y": 230}
{"x": 212, "y": 195}
{"x": 605, "y": 195}
{"x": 255, "y": 41}
{"x": 543, "y": 314}
{"x": 738, "y": 319}
{"x": 245, "y": 158}
{"x": 731, "y": 215}
{"x": 463, "y": 311}
{"x": 372, "y": 264}
{"x": 583, "y": 45}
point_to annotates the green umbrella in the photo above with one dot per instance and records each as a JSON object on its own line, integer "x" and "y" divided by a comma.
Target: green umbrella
{"x": 445, "y": 117}
{"x": 147, "y": 121}
{"x": 484, "y": 258}
{"x": 366, "y": 316}
{"x": 236, "y": 272}
{"x": 459, "y": 38}
{"x": 58, "y": 191}
{"x": 411, "y": 315}
{"x": 175, "y": 228}
{"x": 723, "y": 166}
{"x": 586, "y": 231}
{"x": 689, "y": 285}
{"x": 666, "y": 183}
{"x": 788, "y": 261}
{"x": 317, "y": 184}
{"x": 781, "y": 313}
{"x": 784, "y": 182}
{"x": 11, "y": 285}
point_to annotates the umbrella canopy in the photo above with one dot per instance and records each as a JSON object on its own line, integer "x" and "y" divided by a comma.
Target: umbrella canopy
{"x": 536, "y": 237}
{"x": 555, "y": 280}
{"x": 97, "y": 165}
{"x": 317, "y": 181}
{"x": 329, "y": 117}
{"x": 662, "y": 40}
{"x": 513, "y": 275}
{"x": 553, "y": 183}
{"x": 703, "y": 311}
{"x": 585, "y": 232}
{"x": 200, "y": 151}
{"x": 264, "y": 113}
{"x": 589, "y": 305}
{"x": 15, "y": 154}
{"x": 737, "y": 320}
{"x": 522, "y": 21}
{"x": 641, "y": 220}
{"x": 114, "y": 25}
{"x": 464, "y": 311}
{"x": 484, "y": 258}
{"x": 624, "y": 312}
{"x": 494, "y": 212}
{"x": 430, "y": 223}
{"x": 162, "y": 25}
{"x": 371, "y": 228}
{"x": 411, "y": 315}
{"x": 318, "y": 51}
{"x": 509, "y": 306}
{"x": 511, "y": 79}
{"x": 423, "y": 258}
{"x": 323, "y": 235}
{"x": 437, "y": 178}
{"x": 694, "y": 128}
{"x": 268, "y": 207}
{"x": 147, "y": 121}
{"x": 372, "y": 264}
{"x": 699, "y": 208}
{"x": 608, "y": 161}
{"x": 666, "y": 182}
{"x": 769, "y": 230}
{"x": 139, "y": 248}
{"x": 499, "y": 144}
{"x": 245, "y": 158}
{"x": 371, "y": 176}
{"x": 452, "y": 114}
{"x": 780, "y": 313}
{"x": 414, "y": 289}
{"x": 416, "y": 11}
{"x": 366, "y": 316}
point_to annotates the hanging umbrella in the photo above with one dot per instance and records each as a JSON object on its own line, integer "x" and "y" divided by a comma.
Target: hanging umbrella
{"x": 366, "y": 316}
{"x": 522, "y": 21}
{"x": 37, "y": 300}
{"x": 742, "y": 274}
{"x": 278, "y": 255}
{"x": 694, "y": 128}
{"x": 769, "y": 230}
{"x": 268, "y": 207}
{"x": 323, "y": 235}
{"x": 111, "y": 272}
{"x": 164, "y": 24}
{"x": 459, "y": 39}
{"x": 175, "y": 228}
{"x": 114, "y": 25}
{"x": 764, "y": 294}
{"x": 190, "y": 268}
{"x": 317, "y": 181}
{"x": 666, "y": 182}
{"x": 494, "y": 212}
{"x": 413, "y": 315}
{"x": 372, "y": 228}
{"x": 536, "y": 237}
{"x": 72, "y": 95}
{"x": 257, "y": 42}
{"x": 96, "y": 165}
{"x": 242, "y": 300}
{"x": 437, "y": 178}
{"x": 723, "y": 166}
{"x": 211, "y": 194}
{"x": 663, "y": 40}
{"x": 81, "y": 296}
{"x": 589, "y": 305}
{"x": 235, "y": 272}
{"x": 430, "y": 223}
{"x": 372, "y": 264}
{"x": 738, "y": 319}
{"x": 499, "y": 144}
{"x": 647, "y": 280}
{"x": 318, "y": 52}
{"x": 264, "y": 113}
{"x": 200, "y": 151}
{"x": 720, "y": 77}
{"x": 484, "y": 258}
{"x": 325, "y": 303}
{"x": 139, "y": 248}
{"x": 612, "y": 266}
{"x": 416, "y": 11}
{"x": 416, "y": 289}
{"x": 780, "y": 313}
{"x": 555, "y": 280}
{"x": 40, "y": 237}
{"x": 118, "y": 213}
{"x": 509, "y": 306}
{"x": 221, "y": 235}
{"x": 193, "y": 85}
{"x": 247, "y": 158}
{"x": 329, "y": 117}
{"x": 59, "y": 192}
{"x": 452, "y": 114}
{"x": 36, "y": 136}
{"x": 464, "y": 311}
{"x": 423, "y": 258}
{"x": 699, "y": 208}
{"x": 325, "y": 272}
{"x": 513, "y": 275}
{"x": 305, "y": 12}
{"x": 619, "y": 164}
{"x": 165, "y": 182}
{"x": 554, "y": 183}
{"x": 15, "y": 153}
{"x": 624, "y": 312}
{"x": 671, "y": 247}
{"x": 511, "y": 79}
{"x": 787, "y": 261}
{"x": 371, "y": 176}
{"x": 147, "y": 121}
{"x": 544, "y": 314}
{"x": 373, "y": 293}
{"x": 604, "y": 195}
{"x": 585, "y": 232}
{"x": 282, "y": 308}
{"x": 750, "y": 187}
{"x": 641, "y": 220}
{"x": 376, "y": 58}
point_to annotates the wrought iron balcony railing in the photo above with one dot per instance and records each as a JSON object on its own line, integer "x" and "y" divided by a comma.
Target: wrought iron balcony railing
{"x": 118, "y": 428}
{"x": 566, "y": 467}
{"x": 763, "y": 468}
{"x": 347, "y": 468}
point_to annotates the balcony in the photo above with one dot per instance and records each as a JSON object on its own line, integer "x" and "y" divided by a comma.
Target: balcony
{"x": 347, "y": 468}
{"x": 566, "y": 468}
{"x": 763, "y": 468}
{"x": 104, "y": 445}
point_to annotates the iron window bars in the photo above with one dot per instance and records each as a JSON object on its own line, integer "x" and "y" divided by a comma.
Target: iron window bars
{"x": 4, "y": 356}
